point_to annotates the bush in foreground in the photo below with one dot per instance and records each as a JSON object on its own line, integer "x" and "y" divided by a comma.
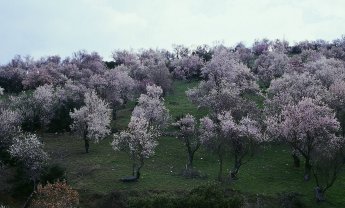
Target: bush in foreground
{"x": 55, "y": 195}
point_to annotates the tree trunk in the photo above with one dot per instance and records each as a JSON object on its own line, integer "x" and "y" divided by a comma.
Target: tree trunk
{"x": 319, "y": 194}
{"x": 296, "y": 160}
{"x": 190, "y": 160}
{"x": 28, "y": 200}
{"x": 191, "y": 151}
{"x": 114, "y": 113}
{"x": 220, "y": 173}
{"x": 138, "y": 174}
{"x": 139, "y": 167}
{"x": 343, "y": 129}
{"x": 190, "y": 155}
{"x": 86, "y": 142}
{"x": 87, "y": 145}
{"x": 307, "y": 169}
{"x": 236, "y": 168}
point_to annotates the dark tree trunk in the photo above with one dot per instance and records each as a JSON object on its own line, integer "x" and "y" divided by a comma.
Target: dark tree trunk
{"x": 296, "y": 160}
{"x": 343, "y": 128}
{"x": 87, "y": 145}
{"x": 307, "y": 169}
{"x": 220, "y": 173}
{"x": 190, "y": 160}
{"x": 114, "y": 113}
{"x": 236, "y": 168}
{"x": 86, "y": 142}
{"x": 139, "y": 167}
{"x": 28, "y": 200}
{"x": 191, "y": 151}
{"x": 138, "y": 173}
{"x": 319, "y": 194}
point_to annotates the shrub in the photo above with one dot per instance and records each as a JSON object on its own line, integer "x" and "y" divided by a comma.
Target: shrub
{"x": 55, "y": 195}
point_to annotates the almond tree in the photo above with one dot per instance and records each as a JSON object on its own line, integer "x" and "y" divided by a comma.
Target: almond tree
{"x": 148, "y": 66}
{"x": 211, "y": 138}
{"x": 224, "y": 134}
{"x": 127, "y": 58}
{"x": 74, "y": 91}
{"x": 41, "y": 75}
{"x": 188, "y": 134}
{"x": 305, "y": 126}
{"x": 243, "y": 138}
{"x": 337, "y": 101}
{"x": 244, "y": 54}
{"x": 92, "y": 121}
{"x": 9, "y": 127}
{"x": 187, "y": 67}
{"x": 151, "y": 107}
{"x": 269, "y": 66}
{"x": 119, "y": 80}
{"x": 38, "y": 109}
{"x": 91, "y": 61}
{"x": 28, "y": 150}
{"x": 327, "y": 161}
{"x": 11, "y": 77}
{"x": 115, "y": 86}
{"x": 149, "y": 117}
{"x": 156, "y": 68}
{"x": 24, "y": 105}
{"x": 139, "y": 140}
{"x": 47, "y": 100}
{"x": 260, "y": 46}
{"x": 226, "y": 83}
{"x": 67, "y": 97}
{"x": 291, "y": 89}
{"x": 204, "y": 52}
{"x": 327, "y": 70}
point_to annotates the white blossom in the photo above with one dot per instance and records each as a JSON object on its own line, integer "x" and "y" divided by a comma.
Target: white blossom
{"x": 93, "y": 119}
{"x": 9, "y": 126}
{"x": 151, "y": 107}
{"x": 27, "y": 149}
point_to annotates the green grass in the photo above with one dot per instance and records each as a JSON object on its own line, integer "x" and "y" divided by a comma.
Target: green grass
{"x": 98, "y": 172}
{"x": 177, "y": 101}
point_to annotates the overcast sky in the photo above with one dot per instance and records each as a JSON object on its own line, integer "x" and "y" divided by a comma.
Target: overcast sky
{"x": 49, "y": 27}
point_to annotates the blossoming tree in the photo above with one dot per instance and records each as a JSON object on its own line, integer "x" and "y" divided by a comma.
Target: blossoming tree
{"x": 28, "y": 150}
{"x": 226, "y": 135}
{"x": 92, "y": 121}
{"x": 148, "y": 119}
{"x": 188, "y": 134}
{"x": 305, "y": 126}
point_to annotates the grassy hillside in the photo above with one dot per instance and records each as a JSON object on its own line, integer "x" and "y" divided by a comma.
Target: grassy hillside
{"x": 95, "y": 174}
